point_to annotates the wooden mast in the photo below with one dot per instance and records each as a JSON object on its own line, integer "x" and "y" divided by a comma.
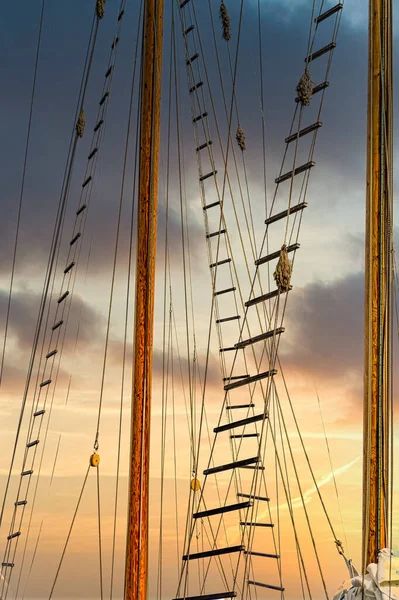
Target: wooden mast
{"x": 378, "y": 292}
{"x": 137, "y": 534}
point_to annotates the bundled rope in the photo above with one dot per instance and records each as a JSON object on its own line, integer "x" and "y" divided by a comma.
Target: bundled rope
{"x": 100, "y": 8}
{"x": 80, "y": 124}
{"x": 305, "y": 88}
{"x": 225, "y": 19}
{"x": 282, "y": 274}
{"x": 240, "y": 137}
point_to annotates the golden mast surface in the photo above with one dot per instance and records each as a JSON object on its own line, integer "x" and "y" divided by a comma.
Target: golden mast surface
{"x": 378, "y": 294}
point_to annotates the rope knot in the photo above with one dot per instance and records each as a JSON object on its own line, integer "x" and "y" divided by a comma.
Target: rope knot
{"x": 282, "y": 274}
{"x": 100, "y": 8}
{"x": 305, "y": 88}
{"x": 80, "y": 123}
{"x": 240, "y": 137}
{"x": 225, "y": 19}
{"x": 340, "y": 547}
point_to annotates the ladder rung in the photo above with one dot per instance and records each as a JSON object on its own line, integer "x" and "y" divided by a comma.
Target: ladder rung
{"x": 39, "y": 412}
{"x": 7, "y": 564}
{"x": 196, "y": 86}
{"x": 254, "y": 524}
{"x": 220, "y": 262}
{"x": 69, "y": 267}
{"x": 189, "y": 29}
{"x": 259, "y": 338}
{"x": 220, "y": 292}
{"x": 222, "y": 509}
{"x": 252, "y": 553}
{"x": 61, "y": 298}
{"x": 329, "y": 12}
{"x": 58, "y": 324}
{"x": 75, "y": 239}
{"x": 302, "y": 132}
{"x": 317, "y": 88}
{"x": 259, "y": 468}
{"x": 44, "y": 383}
{"x": 215, "y": 233}
{"x": 233, "y": 406}
{"x": 227, "y": 349}
{"x": 284, "y": 213}
{"x": 81, "y": 209}
{"x": 114, "y": 43}
{"x": 14, "y": 535}
{"x": 50, "y": 354}
{"x": 266, "y": 585}
{"x": 204, "y": 146}
{"x": 245, "y": 435}
{"x": 29, "y": 472}
{"x": 297, "y": 171}
{"x": 184, "y": 3}
{"x": 216, "y": 552}
{"x": 211, "y": 205}
{"x": 203, "y": 177}
{"x": 192, "y": 59}
{"x": 252, "y": 379}
{"x": 92, "y": 153}
{"x": 240, "y": 423}
{"x": 103, "y": 99}
{"x": 218, "y": 596}
{"x": 121, "y": 14}
{"x": 233, "y": 465}
{"x": 20, "y": 503}
{"x": 253, "y": 497}
{"x": 97, "y": 127}
{"x": 31, "y": 444}
{"x": 320, "y": 52}
{"x": 276, "y": 254}
{"x": 265, "y": 297}
{"x": 195, "y": 119}
{"x": 108, "y": 73}
{"x": 235, "y": 318}
{"x": 234, "y": 377}
{"x": 87, "y": 181}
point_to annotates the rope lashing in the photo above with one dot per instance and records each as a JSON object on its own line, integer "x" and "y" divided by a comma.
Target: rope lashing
{"x": 282, "y": 274}
{"x": 240, "y": 137}
{"x": 80, "y": 124}
{"x": 100, "y": 8}
{"x": 305, "y": 88}
{"x": 225, "y": 19}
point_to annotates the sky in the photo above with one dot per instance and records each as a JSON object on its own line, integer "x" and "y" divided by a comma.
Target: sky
{"x": 322, "y": 348}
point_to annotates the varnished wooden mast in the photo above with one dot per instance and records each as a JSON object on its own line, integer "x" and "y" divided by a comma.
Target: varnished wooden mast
{"x": 137, "y": 534}
{"x": 378, "y": 296}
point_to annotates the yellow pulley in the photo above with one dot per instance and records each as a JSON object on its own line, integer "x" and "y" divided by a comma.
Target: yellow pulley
{"x": 94, "y": 460}
{"x": 195, "y": 485}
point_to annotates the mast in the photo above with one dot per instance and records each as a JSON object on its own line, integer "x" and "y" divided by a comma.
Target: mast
{"x": 137, "y": 534}
{"x": 378, "y": 291}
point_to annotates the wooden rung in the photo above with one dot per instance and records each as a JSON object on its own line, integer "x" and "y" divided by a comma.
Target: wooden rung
{"x": 75, "y": 239}
{"x": 276, "y": 254}
{"x": 237, "y": 464}
{"x": 320, "y": 52}
{"x": 81, "y": 209}
{"x": 245, "y": 435}
{"x": 44, "y": 383}
{"x": 58, "y": 324}
{"x": 97, "y": 127}
{"x": 115, "y": 42}
{"x": 240, "y": 423}
{"x": 220, "y": 262}
{"x": 203, "y": 177}
{"x": 252, "y": 553}
{"x": 266, "y": 585}
{"x": 234, "y": 377}
{"x": 297, "y": 171}
{"x": 284, "y": 213}
{"x": 109, "y": 71}
{"x": 92, "y": 153}
{"x": 14, "y": 535}
{"x": 329, "y": 12}
{"x": 252, "y": 379}
{"x": 215, "y": 233}
{"x": 39, "y": 412}
{"x": 195, "y": 119}
{"x": 61, "y": 298}
{"x": 189, "y": 29}
{"x": 302, "y": 132}
{"x": 257, "y": 467}
{"x": 254, "y": 524}
{"x": 31, "y": 444}
{"x": 265, "y": 297}
{"x": 103, "y": 99}
{"x": 226, "y": 349}
{"x": 87, "y": 181}
{"x": 192, "y": 59}
{"x": 211, "y": 205}
{"x": 259, "y": 338}
{"x": 121, "y": 14}
{"x": 226, "y": 319}
{"x": 69, "y": 267}
{"x": 20, "y": 503}
{"x": 222, "y": 509}
{"x": 216, "y": 552}
{"x": 218, "y": 596}
{"x": 317, "y": 88}
{"x": 253, "y": 497}
{"x": 204, "y": 146}
{"x": 196, "y": 86}
{"x": 50, "y": 354}
{"x": 233, "y": 406}
{"x": 226, "y": 291}
{"x": 7, "y": 564}
{"x": 29, "y": 472}
{"x": 184, "y": 3}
